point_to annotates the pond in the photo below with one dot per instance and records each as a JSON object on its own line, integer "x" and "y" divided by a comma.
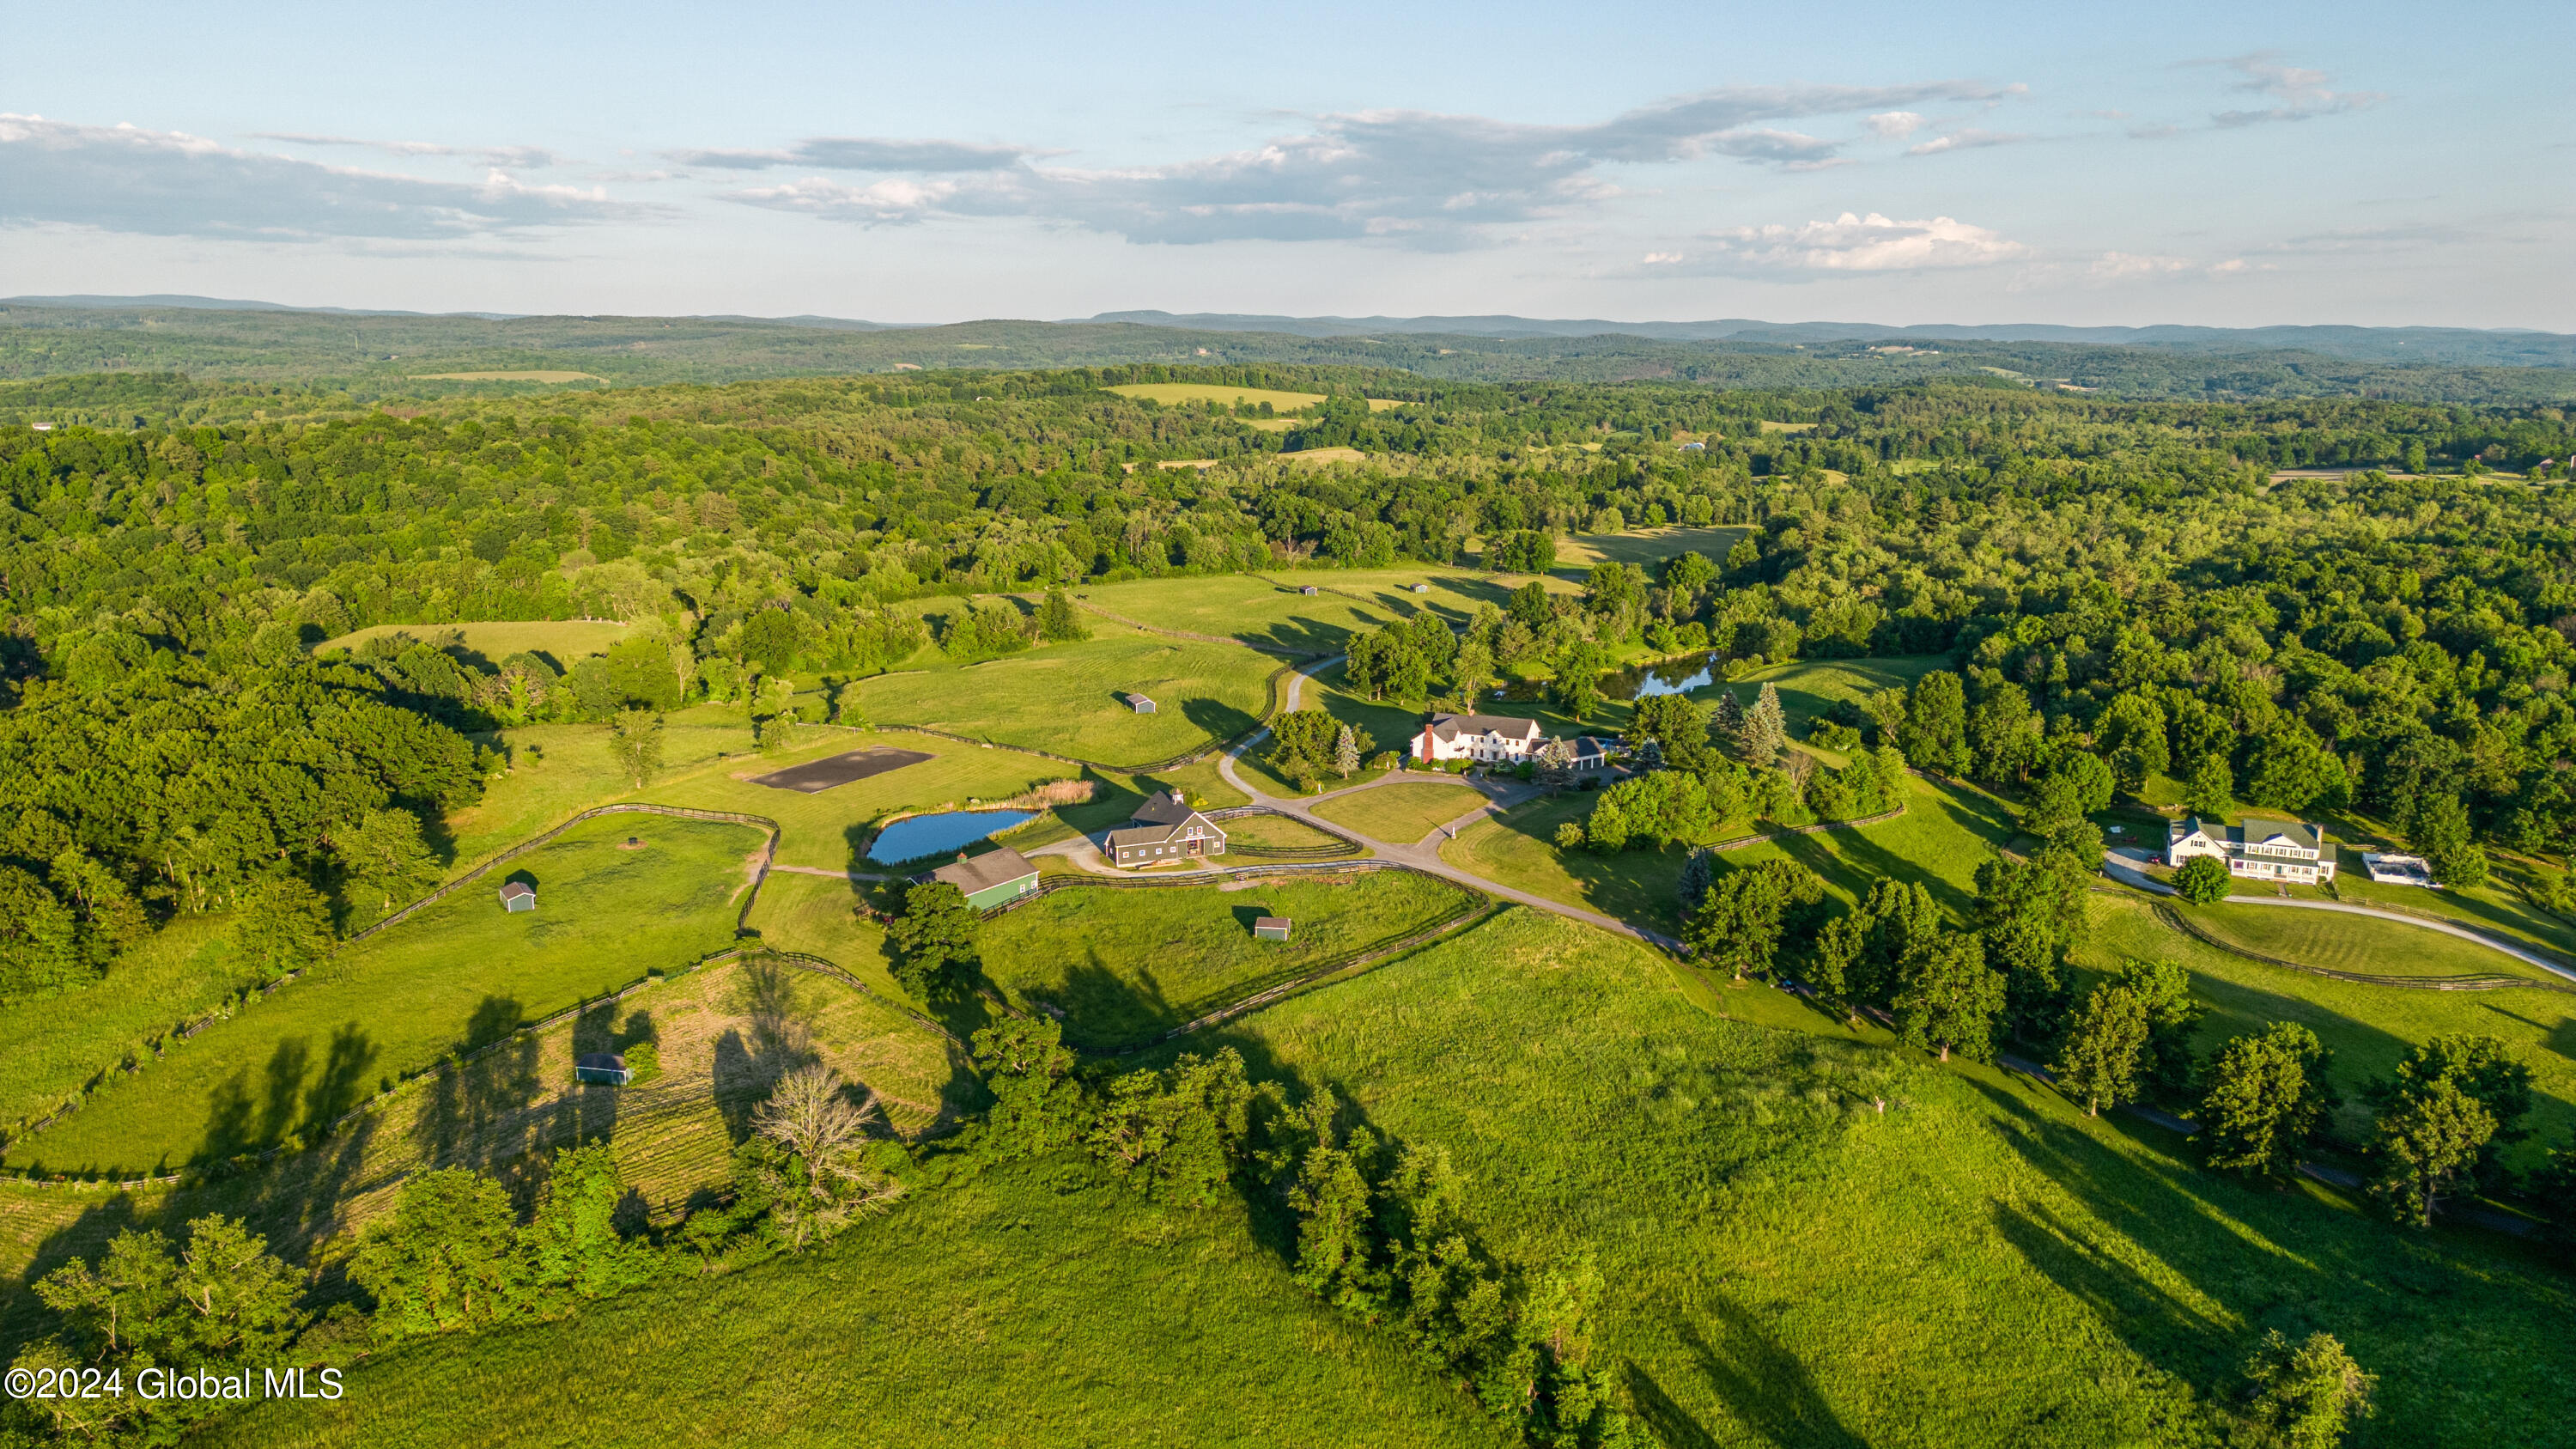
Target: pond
{"x": 920, "y": 836}
{"x": 1673, "y": 676}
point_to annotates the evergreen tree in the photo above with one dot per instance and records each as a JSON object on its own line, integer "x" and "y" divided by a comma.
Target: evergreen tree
{"x": 1346, "y": 752}
{"x": 1059, "y": 622}
{"x": 1766, "y": 729}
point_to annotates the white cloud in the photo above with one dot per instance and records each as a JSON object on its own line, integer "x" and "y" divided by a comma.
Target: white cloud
{"x": 2128, "y": 266}
{"x": 167, "y": 183}
{"x": 1895, "y": 125}
{"x": 1966, "y": 140}
{"x": 2301, "y": 94}
{"x": 864, "y": 153}
{"x": 513, "y": 158}
{"x": 1428, "y": 180}
{"x": 1849, "y": 243}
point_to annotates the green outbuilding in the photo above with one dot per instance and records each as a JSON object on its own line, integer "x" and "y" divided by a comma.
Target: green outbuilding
{"x": 990, "y": 879}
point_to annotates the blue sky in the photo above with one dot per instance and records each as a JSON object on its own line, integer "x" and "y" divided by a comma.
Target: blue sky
{"x": 2235, "y": 164}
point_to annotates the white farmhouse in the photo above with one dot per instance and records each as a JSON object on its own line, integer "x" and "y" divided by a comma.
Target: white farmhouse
{"x": 2286, "y": 850}
{"x": 1498, "y": 739}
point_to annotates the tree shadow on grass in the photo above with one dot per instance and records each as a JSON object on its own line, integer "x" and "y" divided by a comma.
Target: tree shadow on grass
{"x": 1765, "y": 1386}
{"x": 1218, "y": 720}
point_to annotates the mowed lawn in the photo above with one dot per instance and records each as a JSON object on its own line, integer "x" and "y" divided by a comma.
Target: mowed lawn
{"x": 1125, "y": 966}
{"x": 1946, "y": 832}
{"x": 1031, "y": 1305}
{"x": 1401, "y": 813}
{"x": 1284, "y": 831}
{"x": 1070, "y": 699}
{"x": 462, "y": 973}
{"x": 2361, "y": 944}
{"x": 2370, "y": 1028}
{"x": 1782, "y": 1264}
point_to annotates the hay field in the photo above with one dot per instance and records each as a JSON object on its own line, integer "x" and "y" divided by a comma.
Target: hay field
{"x": 563, "y": 640}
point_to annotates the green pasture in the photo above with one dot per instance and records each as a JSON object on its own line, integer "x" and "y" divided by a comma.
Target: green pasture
{"x": 562, "y": 640}
{"x": 2362, "y": 944}
{"x": 1646, "y": 547}
{"x": 1271, "y": 611}
{"x": 50, "y": 1046}
{"x": 1401, "y": 813}
{"x": 1285, "y": 831}
{"x": 2371, "y": 1028}
{"x": 1228, "y": 395}
{"x": 721, "y": 1034}
{"x": 1071, "y": 698}
{"x": 1810, "y": 687}
{"x": 460, "y": 974}
{"x": 1946, "y": 832}
{"x": 1783, "y": 1264}
{"x": 1125, "y": 966}
{"x": 1027, "y": 1306}
{"x": 559, "y": 770}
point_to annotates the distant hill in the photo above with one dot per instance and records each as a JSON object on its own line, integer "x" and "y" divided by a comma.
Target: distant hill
{"x": 2455, "y": 345}
{"x": 375, "y": 356}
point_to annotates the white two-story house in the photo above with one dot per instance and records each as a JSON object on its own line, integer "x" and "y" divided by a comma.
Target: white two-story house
{"x": 2255, "y": 848}
{"x": 1493, "y": 739}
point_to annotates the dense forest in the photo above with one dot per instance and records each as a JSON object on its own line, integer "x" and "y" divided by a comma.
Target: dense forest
{"x": 368, "y": 357}
{"x": 2129, "y": 576}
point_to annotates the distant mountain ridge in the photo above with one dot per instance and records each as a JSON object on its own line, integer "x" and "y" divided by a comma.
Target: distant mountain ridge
{"x": 2457, "y": 345}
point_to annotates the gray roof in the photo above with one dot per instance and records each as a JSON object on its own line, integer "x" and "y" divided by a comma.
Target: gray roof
{"x": 1451, "y": 726}
{"x": 1272, "y": 923}
{"x": 517, "y": 888}
{"x": 1164, "y": 807}
{"x": 2254, "y": 829}
{"x": 983, "y": 872}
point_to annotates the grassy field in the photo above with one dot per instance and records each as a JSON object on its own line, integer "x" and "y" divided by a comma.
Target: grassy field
{"x": 1940, "y": 840}
{"x": 1071, "y": 698}
{"x": 1401, "y": 813}
{"x": 722, "y": 1034}
{"x": 1125, "y": 966}
{"x": 1810, "y": 687}
{"x": 2370, "y": 1028}
{"x": 1028, "y": 1307}
{"x": 557, "y": 770}
{"x": 1979, "y": 1265}
{"x": 1276, "y": 614}
{"x": 1645, "y": 547}
{"x": 562, "y": 640}
{"x": 1279, "y": 830}
{"x": 1324, "y": 455}
{"x": 50, "y": 1047}
{"x": 2356, "y": 943}
{"x": 462, "y": 973}
{"x": 1168, "y": 393}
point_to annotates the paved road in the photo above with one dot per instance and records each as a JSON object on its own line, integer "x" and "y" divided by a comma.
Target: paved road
{"x": 2124, "y": 868}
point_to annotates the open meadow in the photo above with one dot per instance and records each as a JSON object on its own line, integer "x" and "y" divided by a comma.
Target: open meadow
{"x": 1980, "y": 1264}
{"x": 1273, "y": 611}
{"x": 1028, "y": 1306}
{"x": 1125, "y": 966}
{"x": 1071, "y": 699}
{"x": 461, "y": 974}
{"x": 1228, "y": 395}
{"x": 1645, "y": 547}
{"x": 49, "y": 1046}
{"x": 564, "y": 641}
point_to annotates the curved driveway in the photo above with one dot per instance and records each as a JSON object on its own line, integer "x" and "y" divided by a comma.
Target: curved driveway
{"x": 1422, "y": 855}
{"x": 2124, "y": 868}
